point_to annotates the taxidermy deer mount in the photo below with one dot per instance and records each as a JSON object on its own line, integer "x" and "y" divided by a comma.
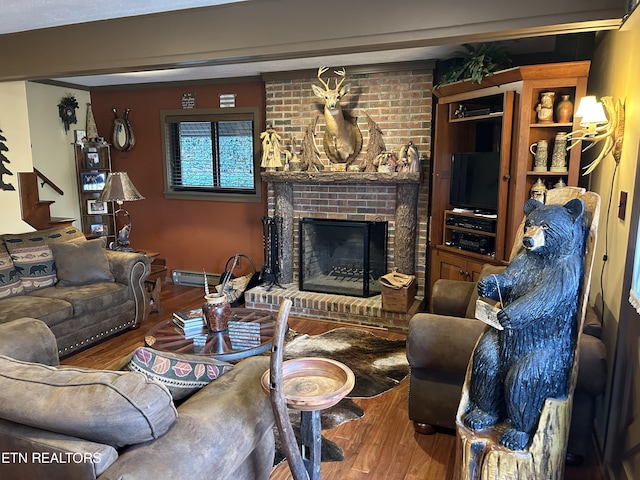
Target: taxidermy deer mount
{"x": 342, "y": 138}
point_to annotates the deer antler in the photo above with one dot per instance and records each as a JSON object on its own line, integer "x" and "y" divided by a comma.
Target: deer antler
{"x": 342, "y": 73}
{"x": 321, "y": 70}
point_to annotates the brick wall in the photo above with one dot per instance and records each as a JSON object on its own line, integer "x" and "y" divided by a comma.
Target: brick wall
{"x": 400, "y": 103}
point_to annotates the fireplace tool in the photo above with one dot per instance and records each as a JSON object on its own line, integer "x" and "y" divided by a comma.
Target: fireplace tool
{"x": 271, "y": 232}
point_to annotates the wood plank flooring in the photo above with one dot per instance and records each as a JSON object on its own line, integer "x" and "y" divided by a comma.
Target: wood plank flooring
{"x": 380, "y": 446}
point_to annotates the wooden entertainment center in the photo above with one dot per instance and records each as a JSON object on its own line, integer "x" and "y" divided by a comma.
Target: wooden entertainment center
{"x": 498, "y": 115}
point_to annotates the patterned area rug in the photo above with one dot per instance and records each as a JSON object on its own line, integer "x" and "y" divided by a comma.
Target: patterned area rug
{"x": 378, "y": 364}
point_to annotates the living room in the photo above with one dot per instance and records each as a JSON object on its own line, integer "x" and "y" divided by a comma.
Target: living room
{"x": 197, "y": 235}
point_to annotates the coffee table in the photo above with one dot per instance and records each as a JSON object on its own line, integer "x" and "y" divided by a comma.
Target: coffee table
{"x": 167, "y": 337}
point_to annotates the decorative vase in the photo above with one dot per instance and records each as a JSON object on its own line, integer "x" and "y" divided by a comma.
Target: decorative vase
{"x": 564, "y": 110}
{"x": 545, "y": 107}
{"x": 216, "y": 312}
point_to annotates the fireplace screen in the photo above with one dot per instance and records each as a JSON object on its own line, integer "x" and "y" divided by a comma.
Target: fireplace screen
{"x": 341, "y": 256}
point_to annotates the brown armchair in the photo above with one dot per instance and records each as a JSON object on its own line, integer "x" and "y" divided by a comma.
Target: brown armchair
{"x": 440, "y": 343}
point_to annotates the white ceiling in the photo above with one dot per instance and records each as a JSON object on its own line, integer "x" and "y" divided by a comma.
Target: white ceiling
{"x": 23, "y": 15}
{"x": 26, "y": 15}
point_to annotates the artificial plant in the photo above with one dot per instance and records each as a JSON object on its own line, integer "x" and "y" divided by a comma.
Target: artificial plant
{"x": 478, "y": 61}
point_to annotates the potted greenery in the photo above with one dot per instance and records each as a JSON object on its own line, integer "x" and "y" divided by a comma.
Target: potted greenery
{"x": 478, "y": 61}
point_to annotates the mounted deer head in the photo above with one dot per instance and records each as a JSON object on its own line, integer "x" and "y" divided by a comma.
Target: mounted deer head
{"x": 342, "y": 138}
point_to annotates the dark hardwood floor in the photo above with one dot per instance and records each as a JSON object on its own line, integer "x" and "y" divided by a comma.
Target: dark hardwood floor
{"x": 382, "y": 445}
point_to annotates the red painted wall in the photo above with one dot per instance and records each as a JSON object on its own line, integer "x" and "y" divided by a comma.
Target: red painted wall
{"x": 190, "y": 234}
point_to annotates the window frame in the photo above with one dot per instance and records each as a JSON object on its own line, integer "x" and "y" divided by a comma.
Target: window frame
{"x": 169, "y": 117}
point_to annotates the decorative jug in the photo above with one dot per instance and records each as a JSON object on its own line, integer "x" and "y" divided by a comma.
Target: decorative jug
{"x": 564, "y": 110}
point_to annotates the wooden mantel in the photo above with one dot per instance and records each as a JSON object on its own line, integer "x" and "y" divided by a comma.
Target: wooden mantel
{"x": 348, "y": 178}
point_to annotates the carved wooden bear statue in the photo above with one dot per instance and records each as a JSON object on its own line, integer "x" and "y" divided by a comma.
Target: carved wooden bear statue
{"x": 515, "y": 369}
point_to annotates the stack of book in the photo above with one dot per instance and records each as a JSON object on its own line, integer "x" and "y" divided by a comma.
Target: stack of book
{"x": 189, "y": 322}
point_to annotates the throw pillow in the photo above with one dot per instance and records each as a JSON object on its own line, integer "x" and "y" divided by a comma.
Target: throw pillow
{"x": 114, "y": 408}
{"x": 32, "y": 256}
{"x": 182, "y": 374}
{"x": 82, "y": 263}
{"x": 10, "y": 284}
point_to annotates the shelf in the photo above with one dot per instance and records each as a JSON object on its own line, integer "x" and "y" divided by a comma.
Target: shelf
{"x": 551, "y": 125}
{"x": 479, "y": 256}
{"x": 469, "y": 230}
{"x": 476, "y": 117}
{"x": 547, "y": 174}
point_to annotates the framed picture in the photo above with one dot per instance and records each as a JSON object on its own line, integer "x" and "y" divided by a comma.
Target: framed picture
{"x": 79, "y": 136}
{"x": 92, "y": 160}
{"x": 93, "y": 181}
{"x": 99, "y": 229}
{"x": 94, "y": 207}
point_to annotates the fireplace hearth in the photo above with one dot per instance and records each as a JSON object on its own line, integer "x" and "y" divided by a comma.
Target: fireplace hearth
{"x": 341, "y": 256}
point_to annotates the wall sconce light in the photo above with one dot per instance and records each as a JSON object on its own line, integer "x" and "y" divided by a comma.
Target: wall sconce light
{"x": 602, "y": 120}
{"x": 119, "y": 188}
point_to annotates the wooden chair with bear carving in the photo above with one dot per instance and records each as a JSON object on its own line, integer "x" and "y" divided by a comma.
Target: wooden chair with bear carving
{"x": 479, "y": 455}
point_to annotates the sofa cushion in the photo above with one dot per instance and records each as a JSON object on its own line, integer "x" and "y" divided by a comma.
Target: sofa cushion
{"x": 32, "y": 256}
{"x": 115, "y": 408}
{"x": 182, "y": 374}
{"x": 81, "y": 263}
{"x": 50, "y": 311}
{"x": 10, "y": 283}
{"x": 87, "y": 298}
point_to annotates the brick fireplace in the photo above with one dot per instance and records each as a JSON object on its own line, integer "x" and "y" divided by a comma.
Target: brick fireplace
{"x": 400, "y": 102}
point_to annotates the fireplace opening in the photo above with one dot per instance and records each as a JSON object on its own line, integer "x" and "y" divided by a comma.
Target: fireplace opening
{"x": 341, "y": 256}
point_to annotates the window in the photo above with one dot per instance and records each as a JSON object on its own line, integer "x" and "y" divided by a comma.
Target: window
{"x": 212, "y": 154}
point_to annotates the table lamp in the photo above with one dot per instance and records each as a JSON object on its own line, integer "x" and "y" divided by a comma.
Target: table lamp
{"x": 120, "y": 189}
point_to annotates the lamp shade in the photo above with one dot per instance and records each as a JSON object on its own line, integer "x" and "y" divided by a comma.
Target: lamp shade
{"x": 119, "y": 188}
{"x": 590, "y": 111}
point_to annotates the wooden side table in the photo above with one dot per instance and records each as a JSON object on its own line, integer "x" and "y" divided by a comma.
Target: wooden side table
{"x": 310, "y": 385}
{"x": 153, "y": 284}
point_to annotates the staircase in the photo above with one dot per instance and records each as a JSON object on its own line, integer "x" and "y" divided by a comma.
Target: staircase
{"x": 36, "y": 212}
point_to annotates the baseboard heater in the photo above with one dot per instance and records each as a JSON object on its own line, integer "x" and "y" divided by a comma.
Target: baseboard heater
{"x": 194, "y": 279}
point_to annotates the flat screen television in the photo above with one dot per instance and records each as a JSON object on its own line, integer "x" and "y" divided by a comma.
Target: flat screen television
{"x": 474, "y": 181}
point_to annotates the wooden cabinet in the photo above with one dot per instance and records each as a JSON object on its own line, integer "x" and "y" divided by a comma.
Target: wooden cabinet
{"x": 93, "y": 164}
{"x": 500, "y": 116}
{"x": 453, "y": 266}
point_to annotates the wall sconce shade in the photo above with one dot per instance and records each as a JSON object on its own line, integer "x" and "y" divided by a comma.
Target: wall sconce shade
{"x": 599, "y": 121}
{"x": 590, "y": 111}
{"x": 119, "y": 188}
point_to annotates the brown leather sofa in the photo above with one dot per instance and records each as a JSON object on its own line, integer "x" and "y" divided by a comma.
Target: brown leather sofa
{"x": 440, "y": 344}
{"x": 82, "y": 291}
{"x": 223, "y": 431}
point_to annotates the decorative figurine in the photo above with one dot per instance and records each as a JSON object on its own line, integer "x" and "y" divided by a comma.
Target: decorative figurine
{"x": 538, "y": 191}
{"x": 270, "y": 150}
{"x": 545, "y": 107}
